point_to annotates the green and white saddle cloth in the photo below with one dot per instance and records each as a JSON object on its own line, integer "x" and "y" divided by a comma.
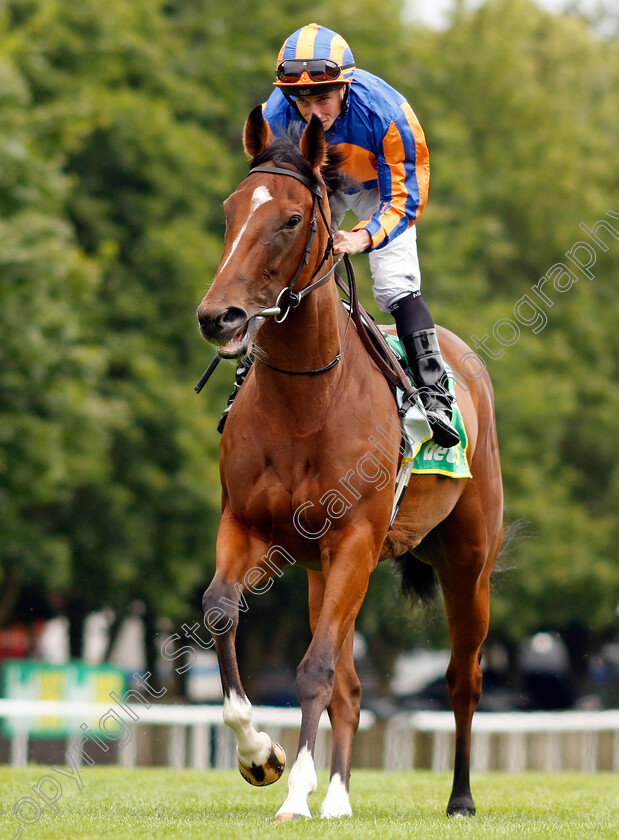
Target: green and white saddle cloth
{"x": 424, "y": 455}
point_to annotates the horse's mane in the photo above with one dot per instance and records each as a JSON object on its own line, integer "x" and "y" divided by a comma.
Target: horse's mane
{"x": 285, "y": 149}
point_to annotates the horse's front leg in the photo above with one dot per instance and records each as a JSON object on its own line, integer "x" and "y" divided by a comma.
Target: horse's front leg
{"x": 261, "y": 760}
{"x": 349, "y": 564}
{"x": 344, "y": 709}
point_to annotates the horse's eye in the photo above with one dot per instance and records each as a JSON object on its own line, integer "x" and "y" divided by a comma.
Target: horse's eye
{"x": 293, "y": 221}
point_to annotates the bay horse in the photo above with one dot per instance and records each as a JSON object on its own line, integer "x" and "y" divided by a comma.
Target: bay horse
{"x": 290, "y": 461}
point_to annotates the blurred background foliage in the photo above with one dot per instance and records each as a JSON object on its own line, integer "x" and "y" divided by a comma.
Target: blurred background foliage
{"x": 120, "y": 128}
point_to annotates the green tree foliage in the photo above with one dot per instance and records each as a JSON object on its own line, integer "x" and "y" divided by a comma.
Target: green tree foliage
{"x": 124, "y": 223}
{"x": 120, "y": 138}
{"x": 54, "y": 421}
{"x": 522, "y": 129}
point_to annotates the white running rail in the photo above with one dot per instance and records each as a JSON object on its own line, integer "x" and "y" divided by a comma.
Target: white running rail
{"x": 197, "y": 735}
{"x": 512, "y": 741}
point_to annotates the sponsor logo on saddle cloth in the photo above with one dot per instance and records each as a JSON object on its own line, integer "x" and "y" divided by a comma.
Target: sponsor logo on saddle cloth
{"x": 421, "y": 450}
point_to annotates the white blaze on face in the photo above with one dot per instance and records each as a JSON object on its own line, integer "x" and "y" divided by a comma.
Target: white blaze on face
{"x": 261, "y": 196}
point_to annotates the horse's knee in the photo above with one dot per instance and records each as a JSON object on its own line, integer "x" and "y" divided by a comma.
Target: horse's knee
{"x": 211, "y": 596}
{"x": 220, "y": 606}
{"x": 352, "y": 694}
{"x": 315, "y": 679}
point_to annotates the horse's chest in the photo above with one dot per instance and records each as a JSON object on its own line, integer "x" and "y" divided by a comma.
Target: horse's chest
{"x": 270, "y": 494}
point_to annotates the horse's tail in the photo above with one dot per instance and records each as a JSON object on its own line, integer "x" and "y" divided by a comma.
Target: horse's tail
{"x": 419, "y": 582}
{"x": 513, "y": 532}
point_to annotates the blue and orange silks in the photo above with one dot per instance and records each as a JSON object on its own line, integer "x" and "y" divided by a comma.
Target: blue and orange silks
{"x": 385, "y": 147}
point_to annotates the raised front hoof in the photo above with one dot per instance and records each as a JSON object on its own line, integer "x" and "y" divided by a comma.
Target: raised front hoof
{"x": 461, "y": 806}
{"x": 286, "y": 817}
{"x": 267, "y": 773}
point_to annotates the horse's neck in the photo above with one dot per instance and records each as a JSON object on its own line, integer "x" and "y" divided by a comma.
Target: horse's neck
{"x": 309, "y": 338}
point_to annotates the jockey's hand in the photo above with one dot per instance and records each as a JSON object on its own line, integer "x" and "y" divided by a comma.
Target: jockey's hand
{"x": 351, "y": 241}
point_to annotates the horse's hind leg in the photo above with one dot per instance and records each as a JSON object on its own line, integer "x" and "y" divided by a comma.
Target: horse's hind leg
{"x": 467, "y": 631}
{"x": 465, "y": 581}
{"x": 344, "y": 708}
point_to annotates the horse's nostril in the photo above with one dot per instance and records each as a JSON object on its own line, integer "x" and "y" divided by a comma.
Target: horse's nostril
{"x": 231, "y": 317}
{"x": 222, "y": 325}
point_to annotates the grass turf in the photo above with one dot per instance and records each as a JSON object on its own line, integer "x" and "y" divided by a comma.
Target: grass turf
{"x": 145, "y": 804}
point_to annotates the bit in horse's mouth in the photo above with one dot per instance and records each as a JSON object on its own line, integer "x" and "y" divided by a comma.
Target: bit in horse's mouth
{"x": 240, "y": 345}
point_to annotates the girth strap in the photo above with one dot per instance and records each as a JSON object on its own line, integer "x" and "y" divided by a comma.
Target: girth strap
{"x": 313, "y": 372}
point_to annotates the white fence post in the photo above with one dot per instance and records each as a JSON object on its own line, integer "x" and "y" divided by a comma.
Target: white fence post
{"x": 480, "y": 752}
{"x": 177, "y": 749}
{"x": 441, "y": 753}
{"x": 128, "y": 755}
{"x": 553, "y": 758}
{"x": 399, "y": 744}
{"x": 589, "y": 742}
{"x": 516, "y": 752}
{"x": 200, "y": 746}
{"x": 19, "y": 749}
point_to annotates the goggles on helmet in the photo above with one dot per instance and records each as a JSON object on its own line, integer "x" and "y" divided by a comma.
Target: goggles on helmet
{"x": 292, "y": 70}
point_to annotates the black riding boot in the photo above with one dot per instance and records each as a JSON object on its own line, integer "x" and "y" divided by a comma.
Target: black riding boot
{"x": 418, "y": 336}
{"x": 241, "y": 372}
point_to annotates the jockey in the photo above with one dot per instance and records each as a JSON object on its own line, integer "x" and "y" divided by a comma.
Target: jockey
{"x": 386, "y": 153}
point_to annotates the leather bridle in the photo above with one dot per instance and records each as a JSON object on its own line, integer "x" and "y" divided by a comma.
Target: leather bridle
{"x": 295, "y": 298}
{"x": 292, "y": 298}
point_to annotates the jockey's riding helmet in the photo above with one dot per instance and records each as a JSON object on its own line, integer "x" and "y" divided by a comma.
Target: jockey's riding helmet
{"x": 313, "y": 60}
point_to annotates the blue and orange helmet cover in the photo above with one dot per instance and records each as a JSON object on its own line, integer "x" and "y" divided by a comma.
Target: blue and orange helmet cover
{"x": 316, "y": 41}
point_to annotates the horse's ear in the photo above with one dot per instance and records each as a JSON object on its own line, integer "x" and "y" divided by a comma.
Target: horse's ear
{"x": 313, "y": 144}
{"x": 256, "y": 134}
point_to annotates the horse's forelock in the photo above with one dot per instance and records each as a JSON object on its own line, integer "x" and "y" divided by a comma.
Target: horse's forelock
{"x": 285, "y": 149}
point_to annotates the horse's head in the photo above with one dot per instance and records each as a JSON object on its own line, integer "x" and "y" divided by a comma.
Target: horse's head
{"x": 268, "y": 231}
